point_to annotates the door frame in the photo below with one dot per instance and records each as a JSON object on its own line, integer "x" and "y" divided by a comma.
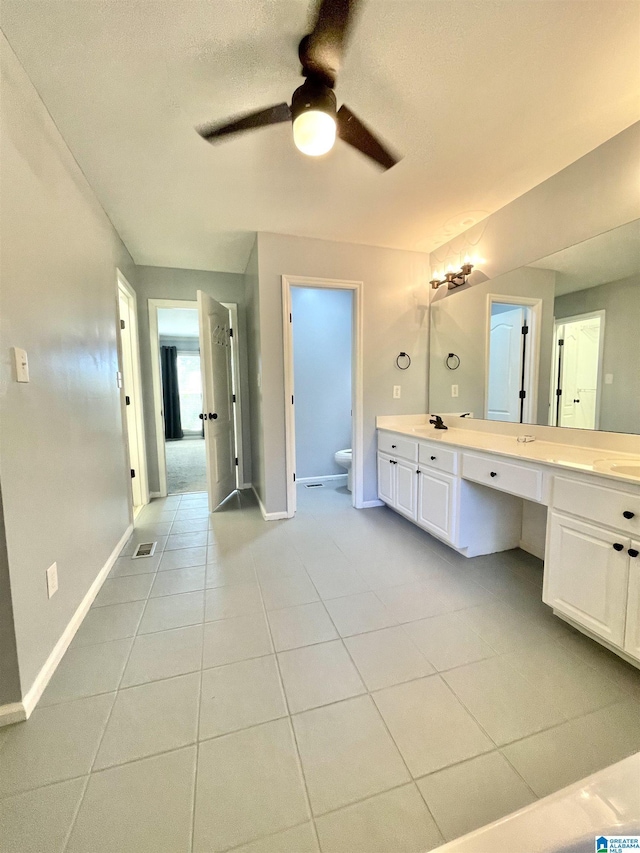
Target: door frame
{"x": 532, "y": 363}
{"x": 124, "y": 288}
{"x": 156, "y": 379}
{"x": 589, "y": 315}
{"x": 357, "y": 383}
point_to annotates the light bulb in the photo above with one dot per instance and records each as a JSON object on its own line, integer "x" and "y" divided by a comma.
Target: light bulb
{"x": 314, "y": 132}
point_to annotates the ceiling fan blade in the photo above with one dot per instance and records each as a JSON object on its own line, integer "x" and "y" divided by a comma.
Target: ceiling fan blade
{"x": 250, "y": 121}
{"x": 321, "y": 51}
{"x": 352, "y": 131}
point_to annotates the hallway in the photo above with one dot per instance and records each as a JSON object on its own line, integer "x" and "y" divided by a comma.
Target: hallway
{"x": 341, "y": 676}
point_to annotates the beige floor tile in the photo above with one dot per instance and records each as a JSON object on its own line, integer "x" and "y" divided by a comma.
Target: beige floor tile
{"x": 335, "y": 577}
{"x": 429, "y": 725}
{"x": 304, "y": 625}
{"x": 387, "y": 657}
{"x": 184, "y": 558}
{"x": 163, "y": 655}
{"x": 394, "y": 822}
{"x": 231, "y": 640}
{"x": 505, "y": 704}
{"x": 288, "y": 591}
{"x": 227, "y": 602}
{"x": 175, "y": 581}
{"x": 249, "y": 785}
{"x": 447, "y": 641}
{"x": 488, "y": 787}
{"x": 317, "y": 675}
{"x": 172, "y": 611}
{"x": 239, "y": 695}
{"x": 357, "y": 614}
{"x": 300, "y": 839}
{"x": 40, "y": 820}
{"x": 346, "y": 753}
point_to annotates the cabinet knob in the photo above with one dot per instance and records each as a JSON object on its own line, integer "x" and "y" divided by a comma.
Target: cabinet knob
{"x": 418, "y": 471}
{"x": 618, "y": 547}
{"x": 628, "y": 514}
{"x": 433, "y": 458}
{"x": 633, "y": 552}
{"x": 393, "y": 446}
{"x": 494, "y": 473}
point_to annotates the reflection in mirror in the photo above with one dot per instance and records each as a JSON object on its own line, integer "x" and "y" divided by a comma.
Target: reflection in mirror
{"x": 556, "y": 342}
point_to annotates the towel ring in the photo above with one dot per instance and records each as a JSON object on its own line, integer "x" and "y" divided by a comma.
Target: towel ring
{"x": 453, "y": 358}
{"x": 407, "y": 357}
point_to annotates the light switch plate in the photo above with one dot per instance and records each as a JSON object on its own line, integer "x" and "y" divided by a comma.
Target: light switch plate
{"x": 396, "y": 392}
{"x": 52, "y": 579}
{"x": 454, "y": 390}
{"x": 119, "y": 379}
{"x": 22, "y": 364}
{"x": 608, "y": 379}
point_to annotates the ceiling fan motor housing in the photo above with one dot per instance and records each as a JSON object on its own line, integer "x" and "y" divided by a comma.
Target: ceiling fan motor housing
{"x": 313, "y": 95}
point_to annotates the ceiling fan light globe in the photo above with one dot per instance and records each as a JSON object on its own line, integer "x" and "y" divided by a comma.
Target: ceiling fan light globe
{"x": 314, "y": 132}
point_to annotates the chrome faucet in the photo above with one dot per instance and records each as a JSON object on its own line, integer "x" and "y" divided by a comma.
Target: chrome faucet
{"x": 437, "y": 422}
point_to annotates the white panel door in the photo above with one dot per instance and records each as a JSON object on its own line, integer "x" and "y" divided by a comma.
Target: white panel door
{"x": 505, "y": 365}
{"x": 435, "y": 502}
{"x": 215, "y": 350}
{"x": 632, "y": 635}
{"x": 580, "y": 373}
{"x": 586, "y": 576}
{"x": 386, "y": 479}
{"x": 406, "y": 489}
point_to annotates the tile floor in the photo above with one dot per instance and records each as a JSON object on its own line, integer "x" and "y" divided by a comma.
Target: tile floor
{"x": 339, "y": 682}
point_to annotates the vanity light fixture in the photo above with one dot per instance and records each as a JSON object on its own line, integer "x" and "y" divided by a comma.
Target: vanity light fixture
{"x": 451, "y": 277}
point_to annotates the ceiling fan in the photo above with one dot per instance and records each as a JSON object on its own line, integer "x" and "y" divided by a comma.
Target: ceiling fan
{"x": 313, "y": 110}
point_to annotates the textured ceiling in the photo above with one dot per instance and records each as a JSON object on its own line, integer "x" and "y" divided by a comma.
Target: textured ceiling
{"x": 485, "y": 99}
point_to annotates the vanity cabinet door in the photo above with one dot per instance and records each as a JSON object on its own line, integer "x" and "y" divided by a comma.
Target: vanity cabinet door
{"x": 632, "y": 636}
{"x": 406, "y": 488}
{"x": 436, "y": 494}
{"x": 586, "y": 576}
{"x": 386, "y": 479}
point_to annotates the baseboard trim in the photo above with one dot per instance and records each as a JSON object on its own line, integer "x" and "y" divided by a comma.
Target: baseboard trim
{"x": 369, "y": 504}
{"x": 155, "y": 494}
{"x": 531, "y": 548}
{"x": 12, "y": 713}
{"x": 268, "y": 516}
{"x": 36, "y": 690}
{"x": 322, "y": 479}
{"x": 246, "y": 486}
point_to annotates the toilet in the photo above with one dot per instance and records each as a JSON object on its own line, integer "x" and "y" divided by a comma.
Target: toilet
{"x": 343, "y": 459}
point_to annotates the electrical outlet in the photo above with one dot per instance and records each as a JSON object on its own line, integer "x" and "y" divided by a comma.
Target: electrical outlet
{"x": 396, "y": 392}
{"x": 454, "y": 390}
{"x": 52, "y": 579}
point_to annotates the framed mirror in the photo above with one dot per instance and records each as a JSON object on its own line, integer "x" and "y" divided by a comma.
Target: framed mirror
{"x": 556, "y": 342}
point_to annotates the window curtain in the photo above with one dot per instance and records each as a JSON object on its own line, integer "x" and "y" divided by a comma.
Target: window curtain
{"x": 170, "y": 393}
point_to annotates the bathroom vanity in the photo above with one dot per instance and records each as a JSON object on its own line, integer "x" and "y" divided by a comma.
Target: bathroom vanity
{"x": 466, "y": 487}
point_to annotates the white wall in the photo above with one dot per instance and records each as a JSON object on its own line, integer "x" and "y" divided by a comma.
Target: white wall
{"x": 63, "y": 467}
{"x": 322, "y": 335}
{"x": 393, "y": 322}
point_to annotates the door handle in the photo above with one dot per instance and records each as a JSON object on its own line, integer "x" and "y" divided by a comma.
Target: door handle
{"x": 212, "y": 416}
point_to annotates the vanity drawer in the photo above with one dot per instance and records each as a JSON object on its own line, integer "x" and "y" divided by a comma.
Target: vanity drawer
{"x": 435, "y": 456}
{"x": 506, "y": 476}
{"x": 396, "y": 445}
{"x": 598, "y": 503}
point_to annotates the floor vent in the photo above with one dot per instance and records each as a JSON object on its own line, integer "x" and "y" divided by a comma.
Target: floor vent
{"x": 314, "y": 485}
{"x": 144, "y": 549}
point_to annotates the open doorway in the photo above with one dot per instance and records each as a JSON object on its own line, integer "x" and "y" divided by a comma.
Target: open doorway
{"x": 577, "y": 365}
{"x": 181, "y": 379}
{"x": 512, "y": 359}
{"x": 188, "y": 414}
{"x": 131, "y": 387}
{"x": 323, "y": 388}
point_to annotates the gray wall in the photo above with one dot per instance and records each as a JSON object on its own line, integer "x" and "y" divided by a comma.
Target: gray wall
{"x": 63, "y": 464}
{"x": 322, "y": 378}
{"x": 620, "y": 401}
{"x": 393, "y": 322}
{"x": 252, "y": 300}
{"x": 9, "y": 673}
{"x": 459, "y": 324}
{"x": 164, "y": 283}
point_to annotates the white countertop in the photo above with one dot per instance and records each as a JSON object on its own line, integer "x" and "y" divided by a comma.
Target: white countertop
{"x": 604, "y": 463}
{"x": 569, "y": 821}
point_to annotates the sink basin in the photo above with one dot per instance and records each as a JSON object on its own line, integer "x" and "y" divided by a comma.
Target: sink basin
{"x": 620, "y": 466}
{"x": 627, "y": 470}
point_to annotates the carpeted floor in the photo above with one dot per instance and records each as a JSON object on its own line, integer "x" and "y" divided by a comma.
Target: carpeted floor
{"x": 186, "y": 471}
